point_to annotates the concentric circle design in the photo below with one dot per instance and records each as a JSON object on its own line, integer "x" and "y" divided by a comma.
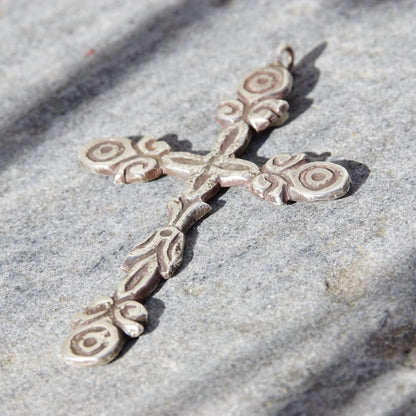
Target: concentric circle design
{"x": 95, "y": 344}
{"x": 317, "y": 178}
{"x": 106, "y": 151}
{"x": 262, "y": 81}
{"x": 91, "y": 341}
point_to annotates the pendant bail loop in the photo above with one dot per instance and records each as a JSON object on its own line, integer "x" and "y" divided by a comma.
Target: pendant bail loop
{"x": 285, "y": 56}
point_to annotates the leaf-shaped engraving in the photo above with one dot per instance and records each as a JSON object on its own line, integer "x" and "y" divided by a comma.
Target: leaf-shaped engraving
{"x": 181, "y": 164}
{"x": 183, "y": 213}
{"x": 268, "y": 113}
{"x": 141, "y": 280}
{"x": 229, "y": 112}
{"x": 141, "y": 250}
{"x": 151, "y": 245}
{"x": 201, "y": 186}
{"x": 202, "y": 181}
{"x": 170, "y": 251}
{"x": 158, "y": 256}
{"x": 232, "y": 140}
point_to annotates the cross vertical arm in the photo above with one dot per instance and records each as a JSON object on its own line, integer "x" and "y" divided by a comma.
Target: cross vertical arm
{"x": 100, "y": 331}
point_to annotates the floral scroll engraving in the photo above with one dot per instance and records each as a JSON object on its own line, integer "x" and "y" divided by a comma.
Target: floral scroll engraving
{"x": 127, "y": 161}
{"x": 260, "y": 99}
{"x": 285, "y": 178}
{"x": 99, "y": 333}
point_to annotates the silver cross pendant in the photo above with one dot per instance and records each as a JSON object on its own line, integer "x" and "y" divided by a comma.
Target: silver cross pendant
{"x": 100, "y": 331}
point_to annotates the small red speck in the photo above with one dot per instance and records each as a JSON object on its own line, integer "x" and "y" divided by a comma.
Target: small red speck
{"x": 90, "y": 52}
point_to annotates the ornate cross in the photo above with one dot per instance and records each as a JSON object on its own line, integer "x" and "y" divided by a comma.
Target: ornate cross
{"x": 100, "y": 332}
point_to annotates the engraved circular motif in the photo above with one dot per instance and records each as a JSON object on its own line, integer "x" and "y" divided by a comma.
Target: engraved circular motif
{"x": 91, "y": 341}
{"x": 105, "y": 151}
{"x": 94, "y": 344}
{"x": 317, "y": 178}
{"x": 261, "y": 82}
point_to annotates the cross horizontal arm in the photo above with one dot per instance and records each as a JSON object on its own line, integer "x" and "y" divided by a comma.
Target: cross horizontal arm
{"x": 99, "y": 333}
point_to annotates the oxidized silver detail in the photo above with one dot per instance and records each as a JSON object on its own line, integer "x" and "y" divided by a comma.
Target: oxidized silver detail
{"x": 260, "y": 99}
{"x": 127, "y": 161}
{"x": 100, "y": 331}
{"x": 285, "y": 178}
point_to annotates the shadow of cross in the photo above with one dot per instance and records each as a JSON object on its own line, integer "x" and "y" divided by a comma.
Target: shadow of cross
{"x": 100, "y": 331}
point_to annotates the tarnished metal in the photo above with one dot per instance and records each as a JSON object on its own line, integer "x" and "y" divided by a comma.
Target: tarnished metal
{"x": 100, "y": 331}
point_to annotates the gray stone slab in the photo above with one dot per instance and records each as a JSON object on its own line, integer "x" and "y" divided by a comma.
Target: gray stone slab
{"x": 301, "y": 309}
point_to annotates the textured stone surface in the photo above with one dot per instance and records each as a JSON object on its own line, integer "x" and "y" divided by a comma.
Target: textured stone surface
{"x": 300, "y": 309}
